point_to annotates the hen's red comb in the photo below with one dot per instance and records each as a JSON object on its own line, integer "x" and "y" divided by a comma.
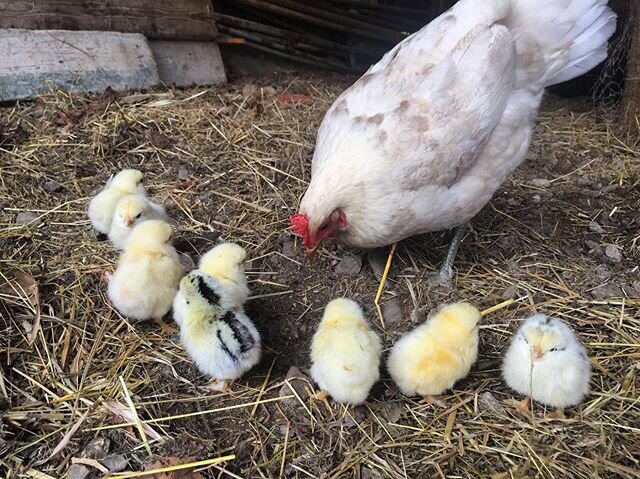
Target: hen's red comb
{"x": 300, "y": 226}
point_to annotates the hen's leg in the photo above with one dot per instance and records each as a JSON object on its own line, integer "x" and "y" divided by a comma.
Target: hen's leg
{"x": 443, "y": 277}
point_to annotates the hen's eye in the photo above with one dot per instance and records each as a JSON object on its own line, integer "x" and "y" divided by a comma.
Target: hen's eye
{"x": 323, "y": 227}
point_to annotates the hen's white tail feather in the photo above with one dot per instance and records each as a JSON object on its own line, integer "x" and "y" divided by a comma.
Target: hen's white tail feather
{"x": 572, "y": 34}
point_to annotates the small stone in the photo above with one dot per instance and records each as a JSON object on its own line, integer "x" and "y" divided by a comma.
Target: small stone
{"x": 613, "y": 253}
{"x": 541, "y": 183}
{"x": 269, "y": 91}
{"x": 377, "y": 260}
{"x": 289, "y": 248}
{"x": 513, "y": 202}
{"x": 536, "y": 199}
{"x": 298, "y": 381}
{"x": 510, "y": 292}
{"x": 115, "y": 462}
{"x": 97, "y": 448}
{"x": 595, "y": 227}
{"x": 583, "y": 181}
{"x": 77, "y": 471}
{"x": 186, "y": 261}
{"x": 606, "y": 291}
{"x": 248, "y": 90}
{"x": 52, "y": 186}
{"x": 636, "y": 286}
{"x": 392, "y": 312}
{"x": 25, "y": 217}
{"x": 349, "y": 265}
{"x": 183, "y": 174}
{"x": 366, "y": 473}
{"x": 609, "y": 188}
{"x": 488, "y": 402}
{"x": 602, "y": 273}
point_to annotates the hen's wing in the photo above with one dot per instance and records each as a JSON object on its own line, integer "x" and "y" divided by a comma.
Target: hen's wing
{"x": 424, "y": 113}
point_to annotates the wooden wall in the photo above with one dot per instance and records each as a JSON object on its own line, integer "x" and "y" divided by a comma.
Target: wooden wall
{"x": 156, "y": 19}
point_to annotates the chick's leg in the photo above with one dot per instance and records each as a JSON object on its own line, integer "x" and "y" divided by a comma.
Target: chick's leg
{"x": 166, "y": 329}
{"x": 433, "y": 401}
{"x": 443, "y": 277}
{"x": 524, "y": 405}
{"x": 557, "y": 414}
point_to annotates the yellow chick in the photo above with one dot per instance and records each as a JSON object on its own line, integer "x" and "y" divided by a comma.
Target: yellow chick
{"x": 547, "y": 362}
{"x": 102, "y": 206}
{"x": 222, "y": 342}
{"x": 430, "y": 359}
{"x": 146, "y": 279}
{"x": 130, "y": 211}
{"x": 226, "y": 262}
{"x": 345, "y": 353}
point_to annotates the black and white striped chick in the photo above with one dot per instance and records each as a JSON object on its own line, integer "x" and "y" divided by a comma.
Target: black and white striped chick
{"x": 222, "y": 342}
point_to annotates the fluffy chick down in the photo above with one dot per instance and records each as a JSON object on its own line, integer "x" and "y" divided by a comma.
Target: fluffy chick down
{"x": 226, "y": 262}
{"x": 430, "y": 359}
{"x": 149, "y": 270}
{"x": 345, "y": 353}
{"x": 103, "y": 205}
{"x": 547, "y": 362}
{"x": 130, "y": 211}
{"x": 222, "y": 342}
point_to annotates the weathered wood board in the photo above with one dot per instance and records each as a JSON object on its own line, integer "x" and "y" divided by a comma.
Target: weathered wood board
{"x": 156, "y": 19}
{"x": 35, "y": 61}
{"x": 188, "y": 63}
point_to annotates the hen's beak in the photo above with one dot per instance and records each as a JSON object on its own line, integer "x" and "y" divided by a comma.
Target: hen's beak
{"x": 312, "y": 251}
{"x": 537, "y": 352}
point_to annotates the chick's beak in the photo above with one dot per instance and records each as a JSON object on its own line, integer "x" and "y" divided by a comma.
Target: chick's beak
{"x": 128, "y": 221}
{"x": 537, "y": 351}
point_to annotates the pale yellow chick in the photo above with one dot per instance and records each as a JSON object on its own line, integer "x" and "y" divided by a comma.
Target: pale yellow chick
{"x": 226, "y": 262}
{"x": 130, "y": 211}
{"x": 102, "y": 206}
{"x": 148, "y": 273}
{"x": 434, "y": 356}
{"x": 345, "y": 353}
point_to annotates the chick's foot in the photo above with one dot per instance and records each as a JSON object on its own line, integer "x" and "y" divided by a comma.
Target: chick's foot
{"x": 557, "y": 414}
{"x": 433, "y": 401}
{"x": 166, "y": 329}
{"x": 524, "y": 406}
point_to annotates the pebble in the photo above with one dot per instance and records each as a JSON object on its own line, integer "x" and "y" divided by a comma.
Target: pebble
{"x": 349, "y": 265}
{"x": 377, "y": 260}
{"x": 613, "y": 253}
{"x": 510, "y": 292}
{"x": 488, "y": 402}
{"x": 97, "y": 448}
{"x": 536, "y": 199}
{"x": 366, "y": 473}
{"x": 298, "y": 381}
{"x": 392, "y": 312}
{"x": 77, "y": 471}
{"x": 25, "y": 217}
{"x": 289, "y": 248}
{"x": 52, "y": 186}
{"x": 595, "y": 227}
{"x": 541, "y": 183}
{"x": 115, "y": 462}
{"x": 183, "y": 174}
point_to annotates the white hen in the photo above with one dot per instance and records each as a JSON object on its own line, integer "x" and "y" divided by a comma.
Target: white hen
{"x": 423, "y": 140}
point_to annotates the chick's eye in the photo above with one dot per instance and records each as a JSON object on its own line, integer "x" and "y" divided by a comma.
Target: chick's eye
{"x": 138, "y": 215}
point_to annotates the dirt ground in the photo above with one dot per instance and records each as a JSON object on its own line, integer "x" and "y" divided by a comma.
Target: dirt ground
{"x": 562, "y": 237}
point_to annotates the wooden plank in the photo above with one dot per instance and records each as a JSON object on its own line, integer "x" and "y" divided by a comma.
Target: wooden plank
{"x": 188, "y": 63}
{"x": 36, "y": 61}
{"x": 161, "y": 20}
{"x": 631, "y": 95}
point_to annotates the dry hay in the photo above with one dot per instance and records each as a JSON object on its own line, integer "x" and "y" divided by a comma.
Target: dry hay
{"x": 234, "y": 161}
